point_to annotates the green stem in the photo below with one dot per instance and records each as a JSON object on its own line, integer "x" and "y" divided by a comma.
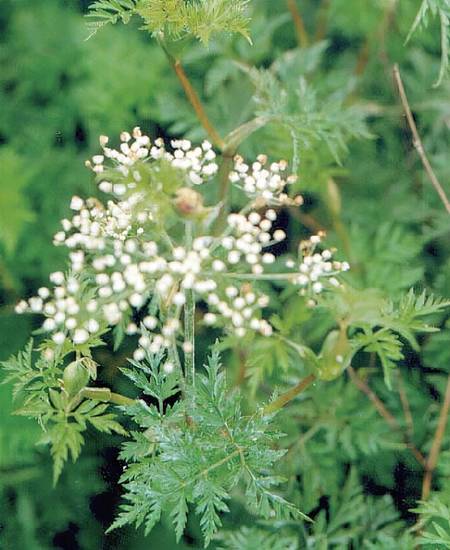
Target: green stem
{"x": 261, "y": 276}
{"x": 173, "y": 352}
{"x": 106, "y": 395}
{"x": 284, "y": 398}
{"x": 299, "y": 348}
{"x": 266, "y": 276}
{"x": 189, "y": 323}
{"x": 224, "y": 186}
{"x": 189, "y": 330}
{"x": 214, "y": 466}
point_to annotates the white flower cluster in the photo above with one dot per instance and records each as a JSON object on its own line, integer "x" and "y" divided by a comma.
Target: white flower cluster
{"x": 247, "y": 238}
{"x": 266, "y": 183}
{"x": 197, "y": 162}
{"x": 66, "y": 309}
{"x": 122, "y": 270}
{"x": 314, "y": 271}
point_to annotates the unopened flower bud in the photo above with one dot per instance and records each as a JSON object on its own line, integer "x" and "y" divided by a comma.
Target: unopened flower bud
{"x": 188, "y": 202}
{"x": 75, "y": 378}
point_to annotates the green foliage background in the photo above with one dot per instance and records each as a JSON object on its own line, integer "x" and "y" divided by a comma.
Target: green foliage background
{"x": 335, "y": 114}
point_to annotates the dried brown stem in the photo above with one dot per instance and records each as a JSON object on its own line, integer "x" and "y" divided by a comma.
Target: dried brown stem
{"x": 383, "y": 411}
{"x": 417, "y": 142}
{"x": 302, "y": 35}
{"x": 433, "y": 456}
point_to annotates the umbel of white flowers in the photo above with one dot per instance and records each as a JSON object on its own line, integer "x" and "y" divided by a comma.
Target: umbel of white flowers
{"x": 125, "y": 265}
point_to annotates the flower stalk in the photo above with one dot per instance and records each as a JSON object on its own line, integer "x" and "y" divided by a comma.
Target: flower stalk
{"x": 189, "y": 322}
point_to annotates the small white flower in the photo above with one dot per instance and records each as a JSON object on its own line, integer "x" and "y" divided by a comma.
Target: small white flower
{"x": 179, "y": 299}
{"x": 187, "y": 347}
{"x": 49, "y": 324}
{"x": 136, "y": 300}
{"x": 317, "y": 287}
{"x": 48, "y": 354}
{"x": 59, "y": 317}
{"x": 218, "y": 265}
{"x": 279, "y": 235}
{"x": 234, "y": 257}
{"x": 57, "y": 277}
{"x": 21, "y": 307}
{"x": 231, "y": 291}
{"x": 105, "y": 186}
{"x": 150, "y": 322}
{"x": 44, "y": 292}
{"x": 80, "y": 336}
{"x": 76, "y": 203}
{"x": 98, "y": 159}
{"x": 92, "y": 325}
{"x": 139, "y": 354}
{"x": 209, "y": 318}
{"x": 36, "y": 304}
{"x": 168, "y": 367}
{"x": 268, "y": 258}
{"x": 59, "y": 338}
{"x": 71, "y": 323}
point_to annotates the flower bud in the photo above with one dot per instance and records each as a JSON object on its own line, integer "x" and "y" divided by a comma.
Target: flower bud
{"x": 75, "y": 378}
{"x": 188, "y": 202}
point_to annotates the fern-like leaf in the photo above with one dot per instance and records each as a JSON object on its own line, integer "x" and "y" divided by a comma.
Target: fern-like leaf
{"x": 440, "y": 9}
{"x": 200, "y": 19}
{"x": 195, "y": 453}
{"x": 385, "y": 344}
{"x": 109, "y": 12}
{"x": 408, "y": 317}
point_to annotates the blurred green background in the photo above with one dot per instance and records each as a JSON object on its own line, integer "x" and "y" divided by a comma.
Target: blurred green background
{"x": 59, "y": 92}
